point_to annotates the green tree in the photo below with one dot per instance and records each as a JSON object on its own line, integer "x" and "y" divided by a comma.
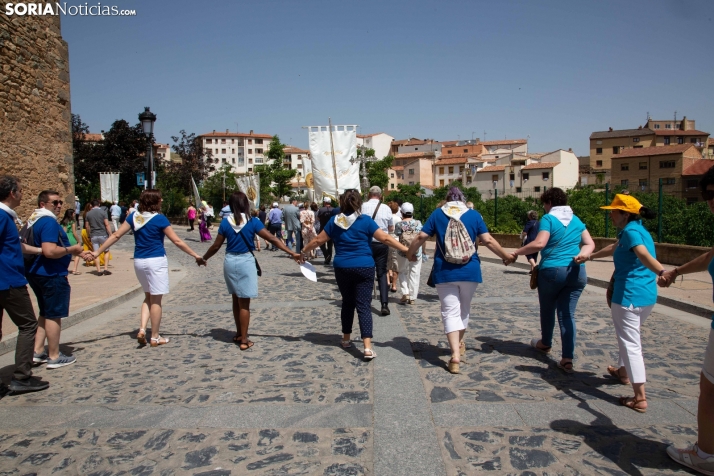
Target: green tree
{"x": 377, "y": 170}
{"x": 196, "y": 162}
{"x": 275, "y": 178}
{"x": 211, "y": 189}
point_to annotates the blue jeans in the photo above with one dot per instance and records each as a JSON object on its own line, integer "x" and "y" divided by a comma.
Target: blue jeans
{"x": 559, "y": 289}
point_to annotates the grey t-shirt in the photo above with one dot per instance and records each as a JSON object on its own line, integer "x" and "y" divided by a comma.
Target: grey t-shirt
{"x": 96, "y": 217}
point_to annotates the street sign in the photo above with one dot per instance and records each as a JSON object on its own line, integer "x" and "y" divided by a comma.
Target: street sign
{"x": 140, "y": 179}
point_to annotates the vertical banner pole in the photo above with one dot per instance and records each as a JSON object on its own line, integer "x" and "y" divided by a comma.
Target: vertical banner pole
{"x": 659, "y": 214}
{"x": 334, "y": 162}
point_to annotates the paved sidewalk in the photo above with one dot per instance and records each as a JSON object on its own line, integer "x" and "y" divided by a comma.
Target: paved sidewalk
{"x": 297, "y": 403}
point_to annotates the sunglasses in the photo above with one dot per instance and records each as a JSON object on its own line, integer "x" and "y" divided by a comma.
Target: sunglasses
{"x": 57, "y": 203}
{"x": 707, "y": 195}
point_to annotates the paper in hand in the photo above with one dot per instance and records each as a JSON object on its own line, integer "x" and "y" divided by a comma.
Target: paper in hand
{"x": 308, "y": 270}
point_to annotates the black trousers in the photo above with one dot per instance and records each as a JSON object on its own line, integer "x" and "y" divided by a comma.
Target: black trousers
{"x": 355, "y": 285}
{"x": 17, "y": 304}
{"x": 380, "y": 253}
{"x": 190, "y": 223}
{"x": 327, "y": 251}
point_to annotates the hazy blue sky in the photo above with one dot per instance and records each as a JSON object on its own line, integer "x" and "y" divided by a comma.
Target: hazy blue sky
{"x": 554, "y": 70}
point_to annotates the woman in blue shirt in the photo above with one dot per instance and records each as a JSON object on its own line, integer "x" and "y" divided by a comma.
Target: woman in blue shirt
{"x": 634, "y": 293}
{"x": 150, "y": 263}
{"x": 455, "y": 282}
{"x": 561, "y": 279}
{"x": 240, "y": 266}
{"x": 352, "y": 234}
{"x": 700, "y": 455}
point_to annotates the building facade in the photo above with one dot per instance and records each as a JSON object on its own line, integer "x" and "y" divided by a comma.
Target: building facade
{"x": 298, "y": 159}
{"x": 380, "y": 142}
{"x": 239, "y": 150}
{"x": 410, "y": 146}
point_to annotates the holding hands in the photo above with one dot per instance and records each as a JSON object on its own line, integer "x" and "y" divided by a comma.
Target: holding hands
{"x": 510, "y": 259}
{"x": 667, "y": 278}
{"x": 581, "y": 258}
{"x": 200, "y": 261}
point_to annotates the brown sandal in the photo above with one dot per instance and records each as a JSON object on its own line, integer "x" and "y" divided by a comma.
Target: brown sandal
{"x": 631, "y": 402}
{"x": 453, "y": 366}
{"x": 141, "y": 337}
{"x": 615, "y": 373}
{"x": 236, "y": 339}
{"x": 246, "y": 345}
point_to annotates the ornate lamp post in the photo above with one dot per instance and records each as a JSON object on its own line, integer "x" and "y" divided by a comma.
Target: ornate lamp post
{"x": 147, "y": 119}
{"x": 363, "y": 171}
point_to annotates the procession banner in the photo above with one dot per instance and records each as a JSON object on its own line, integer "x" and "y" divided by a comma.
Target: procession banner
{"x": 109, "y": 186}
{"x": 196, "y": 196}
{"x": 250, "y": 185}
{"x": 344, "y": 141}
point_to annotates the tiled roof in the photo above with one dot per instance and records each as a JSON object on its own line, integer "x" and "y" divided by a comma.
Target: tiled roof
{"x": 236, "y": 134}
{"x": 298, "y": 185}
{"x": 451, "y": 161}
{"x": 700, "y": 167}
{"x": 93, "y": 137}
{"x": 621, "y": 133}
{"x": 542, "y": 165}
{"x": 295, "y": 150}
{"x": 161, "y": 146}
{"x": 661, "y": 150}
{"x": 414, "y": 141}
{"x": 504, "y": 142}
{"x": 363, "y": 136}
{"x": 409, "y": 155}
{"x": 711, "y": 141}
{"x": 430, "y": 187}
{"x": 397, "y": 167}
{"x": 493, "y": 168}
{"x": 677, "y": 132}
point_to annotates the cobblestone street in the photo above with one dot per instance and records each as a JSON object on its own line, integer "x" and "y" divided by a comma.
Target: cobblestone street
{"x": 297, "y": 403}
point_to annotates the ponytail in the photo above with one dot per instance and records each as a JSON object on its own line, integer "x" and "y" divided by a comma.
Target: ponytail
{"x": 647, "y": 213}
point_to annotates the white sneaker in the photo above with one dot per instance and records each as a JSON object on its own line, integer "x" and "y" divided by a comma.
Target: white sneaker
{"x": 689, "y": 458}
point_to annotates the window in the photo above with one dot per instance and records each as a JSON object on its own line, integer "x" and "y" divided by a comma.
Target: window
{"x": 666, "y": 164}
{"x": 635, "y": 139}
{"x": 468, "y": 179}
{"x": 667, "y": 140}
{"x": 250, "y": 161}
{"x": 234, "y": 160}
{"x": 233, "y": 141}
{"x": 668, "y": 126}
{"x": 511, "y": 176}
{"x": 258, "y": 141}
{"x": 518, "y": 190}
{"x": 392, "y": 186}
{"x": 299, "y": 157}
{"x": 223, "y": 141}
{"x": 450, "y": 180}
{"x": 692, "y": 183}
{"x": 656, "y": 126}
{"x": 258, "y": 151}
{"x": 494, "y": 178}
{"x": 250, "y": 141}
{"x": 223, "y": 151}
{"x": 258, "y": 160}
{"x": 680, "y": 140}
{"x": 392, "y": 175}
{"x": 643, "y": 165}
{"x": 616, "y": 149}
{"x": 233, "y": 151}
{"x": 598, "y": 163}
{"x": 299, "y": 166}
{"x": 693, "y": 140}
{"x": 466, "y": 150}
{"x": 636, "y": 146}
{"x": 223, "y": 160}
{"x": 451, "y": 170}
{"x": 450, "y": 151}
{"x": 209, "y": 141}
{"x": 250, "y": 169}
{"x": 441, "y": 183}
{"x": 441, "y": 170}
{"x": 241, "y": 161}
{"x": 416, "y": 148}
{"x": 624, "y": 183}
{"x": 536, "y": 189}
{"x": 624, "y": 167}
{"x": 598, "y": 151}
{"x": 668, "y": 181}
{"x": 526, "y": 176}
{"x": 546, "y": 176}
{"x": 643, "y": 182}
{"x": 411, "y": 171}
{"x": 412, "y": 183}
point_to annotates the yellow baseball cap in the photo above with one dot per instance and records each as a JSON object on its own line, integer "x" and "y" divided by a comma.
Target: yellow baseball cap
{"x": 626, "y": 203}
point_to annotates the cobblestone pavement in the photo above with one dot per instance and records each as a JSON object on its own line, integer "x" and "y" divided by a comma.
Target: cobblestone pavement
{"x": 297, "y": 403}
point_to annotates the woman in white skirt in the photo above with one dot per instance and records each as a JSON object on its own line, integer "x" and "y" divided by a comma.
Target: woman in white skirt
{"x": 239, "y": 266}
{"x": 150, "y": 263}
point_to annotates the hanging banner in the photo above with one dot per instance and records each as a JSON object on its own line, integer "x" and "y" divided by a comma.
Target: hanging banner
{"x": 196, "y": 196}
{"x": 250, "y": 185}
{"x": 109, "y": 186}
{"x": 332, "y": 177}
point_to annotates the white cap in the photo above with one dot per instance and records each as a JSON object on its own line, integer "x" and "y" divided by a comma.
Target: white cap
{"x": 275, "y": 204}
{"x": 407, "y": 207}
{"x": 327, "y": 199}
{"x": 301, "y": 205}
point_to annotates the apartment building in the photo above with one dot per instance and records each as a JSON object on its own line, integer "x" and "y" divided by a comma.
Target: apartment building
{"x": 241, "y": 151}
{"x": 641, "y": 169}
{"x": 453, "y": 148}
{"x": 691, "y": 177}
{"x": 416, "y": 169}
{"x": 495, "y": 149}
{"x": 448, "y": 170}
{"x": 297, "y": 159}
{"x": 380, "y": 142}
{"x": 162, "y": 152}
{"x": 412, "y": 145}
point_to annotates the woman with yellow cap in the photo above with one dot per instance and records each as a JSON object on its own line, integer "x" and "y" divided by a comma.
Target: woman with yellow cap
{"x": 634, "y": 293}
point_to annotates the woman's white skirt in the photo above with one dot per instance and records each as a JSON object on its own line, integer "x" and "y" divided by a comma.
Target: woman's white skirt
{"x": 153, "y": 274}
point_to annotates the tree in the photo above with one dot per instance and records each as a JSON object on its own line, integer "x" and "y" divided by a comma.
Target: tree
{"x": 211, "y": 189}
{"x": 275, "y": 178}
{"x": 196, "y": 162}
{"x": 377, "y": 171}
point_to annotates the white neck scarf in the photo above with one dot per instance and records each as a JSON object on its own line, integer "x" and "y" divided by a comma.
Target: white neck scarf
{"x": 10, "y": 212}
{"x": 455, "y": 209}
{"x": 346, "y": 221}
{"x": 563, "y": 213}
{"x": 141, "y": 219}
{"x": 237, "y": 226}
{"x": 39, "y": 213}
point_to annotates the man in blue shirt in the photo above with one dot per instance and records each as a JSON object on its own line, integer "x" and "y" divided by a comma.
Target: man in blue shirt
{"x": 14, "y": 297}
{"x": 48, "y": 278}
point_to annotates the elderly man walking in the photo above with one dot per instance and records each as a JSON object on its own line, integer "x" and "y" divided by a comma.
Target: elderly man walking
{"x": 323, "y": 216}
{"x": 98, "y": 230}
{"x": 291, "y": 217}
{"x": 381, "y": 214}
{"x": 14, "y": 298}
{"x": 115, "y": 212}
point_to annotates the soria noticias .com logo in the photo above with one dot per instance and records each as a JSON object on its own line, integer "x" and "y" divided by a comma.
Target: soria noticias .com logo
{"x": 47, "y": 9}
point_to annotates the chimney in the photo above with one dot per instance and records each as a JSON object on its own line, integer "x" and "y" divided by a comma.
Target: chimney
{"x": 226, "y": 131}
{"x": 610, "y": 129}
{"x": 214, "y": 131}
{"x": 570, "y": 149}
{"x": 251, "y": 132}
{"x": 684, "y": 123}
{"x": 639, "y": 128}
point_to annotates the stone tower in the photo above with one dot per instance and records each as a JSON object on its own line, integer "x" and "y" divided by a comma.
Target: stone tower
{"x": 35, "y": 114}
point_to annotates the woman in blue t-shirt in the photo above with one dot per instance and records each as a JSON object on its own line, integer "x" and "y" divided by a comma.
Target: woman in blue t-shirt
{"x": 561, "y": 279}
{"x": 352, "y": 234}
{"x": 634, "y": 293}
{"x": 240, "y": 266}
{"x": 456, "y": 283}
{"x": 700, "y": 455}
{"x": 150, "y": 263}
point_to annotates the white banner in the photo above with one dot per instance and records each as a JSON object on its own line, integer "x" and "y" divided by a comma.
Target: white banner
{"x": 109, "y": 186}
{"x": 344, "y": 141}
{"x": 196, "y": 196}
{"x": 250, "y": 185}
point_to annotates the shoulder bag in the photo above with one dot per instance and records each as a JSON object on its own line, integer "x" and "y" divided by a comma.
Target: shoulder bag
{"x": 534, "y": 274}
{"x": 257, "y": 266}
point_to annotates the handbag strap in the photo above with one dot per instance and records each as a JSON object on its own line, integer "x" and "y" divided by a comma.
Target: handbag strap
{"x": 245, "y": 240}
{"x": 376, "y": 209}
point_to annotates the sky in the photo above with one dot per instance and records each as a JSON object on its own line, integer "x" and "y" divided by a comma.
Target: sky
{"x": 549, "y": 71}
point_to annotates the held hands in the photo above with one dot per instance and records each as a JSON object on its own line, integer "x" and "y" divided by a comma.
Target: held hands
{"x": 200, "y": 261}
{"x": 87, "y": 256}
{"x": 667, "y": 279}
{"x": 299, "y": 258}
{"x": 510, "y": 259}
{"x": 581, "y": 258}
{"x": 411, "y": 256}
{"x": 76, "y": 250}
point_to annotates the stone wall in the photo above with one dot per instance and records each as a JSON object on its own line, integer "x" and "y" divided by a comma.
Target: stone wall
{"x": 35, "y": 122}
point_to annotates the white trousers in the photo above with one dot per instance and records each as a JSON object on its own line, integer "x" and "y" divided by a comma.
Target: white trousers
{"x": 115, "y": 223}
{"x": 409, "y": 273}
{"x": 455, "y": 298}
{"x": 627, "y": 322}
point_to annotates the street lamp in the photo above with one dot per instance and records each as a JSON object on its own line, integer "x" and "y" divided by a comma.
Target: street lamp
{"x": 147, "y": 119}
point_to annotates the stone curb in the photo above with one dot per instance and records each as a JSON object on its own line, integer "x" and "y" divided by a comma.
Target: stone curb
{"x": 697, "y": 310}
{"x": 87, "y": 312}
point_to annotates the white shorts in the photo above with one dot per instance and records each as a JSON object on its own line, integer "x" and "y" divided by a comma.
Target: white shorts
{"x": 153, "y": 274}
{"x": 708, "y": 367}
